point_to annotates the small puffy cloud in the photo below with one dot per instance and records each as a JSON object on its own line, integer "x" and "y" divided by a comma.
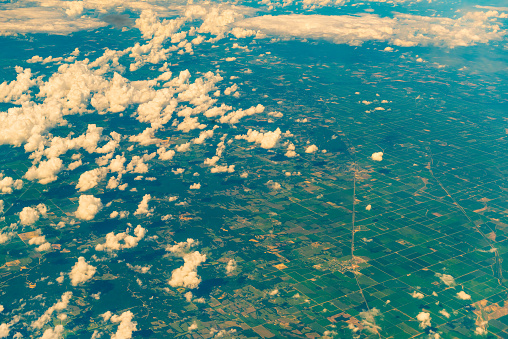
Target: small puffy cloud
{"x": 424, "y": 319}
{"x": 165, "y": 154}
{"x": 116, "y": 242}
{"x": 223, "y": 169}
{"x": 463, "y": 296}
{"x": 368, "y": 207}
{"x": 29, "y": 215}
{"x": 81, "y": 272}
{"x": 231, "y": 266}
{"x": 417, "y": 295}
{"x": 88, "y": 207}
{"x": 447, "y": 279}
{"x": 195, "y": 186}
{"x": 444, "y": 313}
{"x": 183, "y": 147}
{"x": 46, "y": 171}
{"x": 291, "y": 151}
{"x": 90, "y": 179}
{"x": 4, "y": 330}
{"x": 377, "y": 156}
{"x": 266, "y": 140}
{"x": 125, "y": 327}
{"x": 311, "y": 149}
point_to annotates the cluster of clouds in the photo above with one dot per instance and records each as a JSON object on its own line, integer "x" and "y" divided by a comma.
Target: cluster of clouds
{"x": 120, "y": 241}
{"x": 58, "y": 306}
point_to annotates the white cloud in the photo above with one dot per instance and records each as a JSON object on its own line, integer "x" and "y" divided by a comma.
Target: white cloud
{"x": 417, "y": 295}
{"x": 143, "y": 205}
{"x": 369, "y": 321}
{"x": 463, "y": 296}
{"x": 120, "y": 241}
{"x": 424, "y": 319}
{"x": 53, "y": 333}
{"x": 4, "y": 330}
{"x": 368, "y": 207}
{"x": 183, "y": 147}
{"x": 30, "y": 215}
{"x": 58, "y": 306}
{"x": 7, "y": 184}
{"x": 17, "y": 91}
{"x": 193, "y": 327}
{"x": 187, "y": 276}
{"x": 81, "y": 272}
{"x": 444, "y": 313}
{"x": 90, "y": 179}
{"x": 377, "y": 156}
{"x": 165, "y": 154}
{"x": 43, "y": 20}
{"x": 88, "y": 207}
{"x": 231, "y": 266}
{"x": 234, "y": 117}
{"x": 46, "y": 171}
{"x": 126, "y": 326}
{"x": 311, "y": 149}
{"x": 195, "y": 186}
{"x": 223, "y": 169}
{"x": 447, "y": 279}
{"x": 404, "y": 30}
{"x": 266, "y": 140}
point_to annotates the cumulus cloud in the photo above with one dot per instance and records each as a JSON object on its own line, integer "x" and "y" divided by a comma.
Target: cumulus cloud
{"x": 7, "y": 184}
{"x": 234, "y": 117}
{"x": 120, "y": 241}
{"x": 88, "y": 207}
{"x": 463, "y": 296}
{"x": 30, "y": 215}
{"x": 46, "y": 171}
{"x": 405, "y": 30}
{"x": 186, "y": 275}
{"x": 195, "y": 186}
{"x": 17, "y": 91}
{"x": 143, "y": 205}
{"x": 81, "y": 272}
{"x": 311, "y": 149}
{"x": 53, "y": 333}
{"x": 377, "y": 156}
{"x": 231, "y": 266}
{"x": 369, "y": 320}
{"x": 125, "y": 327}
{"x": 424, "y": 319}
{"x": 266, "y": 140}
{"x": 417, "y": 295}
{"x": 90, "y": 179}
